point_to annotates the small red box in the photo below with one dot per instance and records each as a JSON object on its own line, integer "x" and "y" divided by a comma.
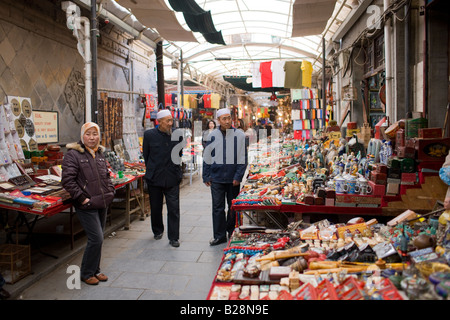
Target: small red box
{"x": 409, "y": 177}
{"x": 377, "y": 189}
{"x": 381, "y": 168}
{"x": 432, "y": 149}
{"x": 405, "y": 152}
{"x": 400, "y": 138}
{"x": 429, "y": 133}
{"x": 411, "y": 143}
{"x": 378, "y": 178}
{"x": 352, "y": 125}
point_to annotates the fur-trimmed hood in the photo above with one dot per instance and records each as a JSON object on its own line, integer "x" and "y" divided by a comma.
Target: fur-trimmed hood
{"x": 78, "y": 146}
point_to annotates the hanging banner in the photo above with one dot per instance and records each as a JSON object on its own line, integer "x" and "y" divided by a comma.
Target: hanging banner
{"x": 149, "y": 105}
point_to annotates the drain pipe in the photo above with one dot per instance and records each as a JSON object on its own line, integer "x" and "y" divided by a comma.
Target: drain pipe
{"x": 87, "y": 68}
{"x": 76, "y": 23}
{"x": 390, "y": 111}
{"x": 408, "y": 107}
{"x": 94, "y": 32}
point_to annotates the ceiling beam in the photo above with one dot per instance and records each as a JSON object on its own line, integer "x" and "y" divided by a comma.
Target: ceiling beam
{"x": 253, "y": 44}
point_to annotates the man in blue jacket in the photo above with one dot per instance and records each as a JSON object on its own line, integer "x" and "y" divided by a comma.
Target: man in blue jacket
{"x": 224, "y": 165}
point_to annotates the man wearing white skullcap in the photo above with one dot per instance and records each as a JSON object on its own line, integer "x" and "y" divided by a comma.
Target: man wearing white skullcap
{"x": 224, "y": 177}
{"x": 163, "y": 113}
{"x": 163, "y": 177}
{"x": 222, "y": 112}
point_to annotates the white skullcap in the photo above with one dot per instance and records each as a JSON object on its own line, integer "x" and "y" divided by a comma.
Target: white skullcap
{"x": 223, "y": 111}
{"x": 163, "y": 113}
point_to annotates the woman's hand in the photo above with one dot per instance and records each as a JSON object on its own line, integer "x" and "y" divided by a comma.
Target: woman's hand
{"x": 86, "y": 200}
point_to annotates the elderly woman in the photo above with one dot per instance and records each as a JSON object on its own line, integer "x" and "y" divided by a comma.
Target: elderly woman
{"x": 85, "y": 176}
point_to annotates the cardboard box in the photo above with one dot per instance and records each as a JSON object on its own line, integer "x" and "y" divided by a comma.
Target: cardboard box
{"x": 429, "y": 133}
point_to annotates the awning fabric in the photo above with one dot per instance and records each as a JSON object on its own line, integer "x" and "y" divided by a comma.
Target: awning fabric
{"x": 155, "y": 14}
{"x": 240, "y": 82}
{"x": 198, "y": 20}
{"x": 310, "y": 17}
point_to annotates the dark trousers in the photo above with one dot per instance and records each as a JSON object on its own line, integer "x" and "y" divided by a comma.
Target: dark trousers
{"x": 93, "y": 223}
{"x": 223, "y": 223}
{"x": 172, "y": 195}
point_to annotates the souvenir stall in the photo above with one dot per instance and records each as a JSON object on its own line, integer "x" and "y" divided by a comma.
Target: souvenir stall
{"x": 31, "y": 196}
{"x": 29, "y": 181}
{"x": 330, "y": 219}
{"x": 116, "y": 119}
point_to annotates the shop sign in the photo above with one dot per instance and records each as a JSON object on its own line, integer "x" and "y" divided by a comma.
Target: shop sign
{"x": 46, "y": 126}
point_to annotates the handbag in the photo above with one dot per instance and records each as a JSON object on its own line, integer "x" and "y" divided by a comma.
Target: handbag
{"x": 444, "y": 174}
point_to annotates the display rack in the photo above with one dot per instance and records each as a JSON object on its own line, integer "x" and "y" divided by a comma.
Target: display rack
{"x": 307, "y": 112}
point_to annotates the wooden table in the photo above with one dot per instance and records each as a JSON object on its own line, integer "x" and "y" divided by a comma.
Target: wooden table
{"x": 29, "y": 225}
{"x": 133, "y": 194}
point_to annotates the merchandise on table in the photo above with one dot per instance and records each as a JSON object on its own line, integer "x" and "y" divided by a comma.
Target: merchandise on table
{"x": 294, "y": 172}
{"x": 358, "y": 260}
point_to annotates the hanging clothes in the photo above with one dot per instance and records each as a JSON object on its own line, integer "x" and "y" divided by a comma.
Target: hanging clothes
{"x": 266, "y": 74}
{"x": 306, "y": 73}
{"x": 207, "y": 101}
{"x": 278, "y": 74}
{"x": 293, "y": 74}
{"x": 168, "y": 99}
{"x": 193, "y": 101}
{"x": 175, "y": 99}
{"x": 256, "y": 75}
{"x": 186, "y": 101}
{"x": 215, "y": 100}
{"x": 200, "y": 102}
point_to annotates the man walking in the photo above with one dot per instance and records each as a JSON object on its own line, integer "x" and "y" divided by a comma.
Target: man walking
{"x": 224, "y": 165}
{"x": 163, "y": 176}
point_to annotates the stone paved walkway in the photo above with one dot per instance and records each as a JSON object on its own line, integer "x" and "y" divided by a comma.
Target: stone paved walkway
{"x": 140, "y": 267}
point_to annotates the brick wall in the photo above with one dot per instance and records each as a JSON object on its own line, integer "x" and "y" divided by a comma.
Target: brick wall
{"x": 39, "y": 59}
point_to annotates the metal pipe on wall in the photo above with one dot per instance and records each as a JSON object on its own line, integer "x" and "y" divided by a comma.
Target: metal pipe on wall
{"x": 182, "y": 78}
{"x": 408, "y": 108}
{"x": 94, "y": 32}
{"x": 390, "y": 112}
{"x": 324, "y": 97}
{"x": 160, "y": 75}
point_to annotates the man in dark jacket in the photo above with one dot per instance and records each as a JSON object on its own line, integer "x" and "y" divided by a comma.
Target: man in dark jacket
{"x": 225, "y": 162}
{"x": 85, "y": 177}
{"x": 163, "y": 175}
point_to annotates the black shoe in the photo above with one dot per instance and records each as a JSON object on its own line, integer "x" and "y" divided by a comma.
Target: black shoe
{"x": 174, "y": 243}
{"x": 215, "y": 242}
{"x": 158, "y": 236}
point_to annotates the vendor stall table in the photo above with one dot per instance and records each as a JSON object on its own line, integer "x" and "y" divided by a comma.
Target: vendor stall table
{"x": 273, "y": 212}
{"x": 28, "y": 225}
{"x": 21, "y": 219}
{"x": 133, "y": 194}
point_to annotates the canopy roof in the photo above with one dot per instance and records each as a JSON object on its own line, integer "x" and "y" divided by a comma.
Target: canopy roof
{"x": 252, "y": 30}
